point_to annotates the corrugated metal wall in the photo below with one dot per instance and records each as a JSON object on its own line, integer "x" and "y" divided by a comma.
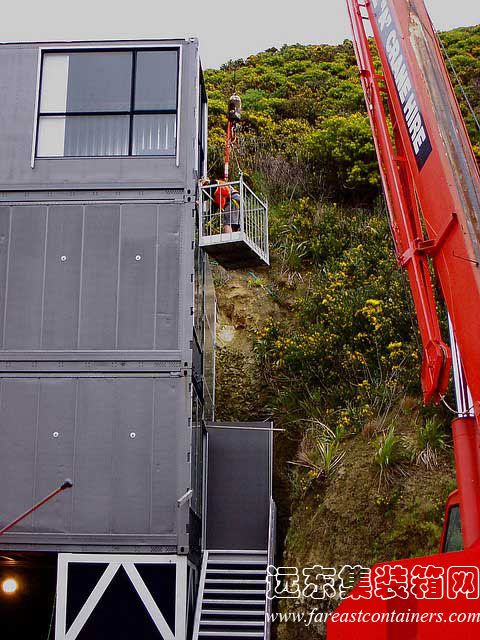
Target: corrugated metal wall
{"x": 93, "y": 276}
{"x": 116, "y": 436}
{"x": 96, "y": 296}
{"x": 92, "y": 322}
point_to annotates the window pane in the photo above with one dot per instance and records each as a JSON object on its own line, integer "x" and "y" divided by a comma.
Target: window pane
{"x": 51, "y": 136}
{"x": 54, "y": 83}
{"x": 96, "y": 135}
{"x": 156, "y": 80}
{"x": 99, "y": 81}
{"x": 154, "y": 135}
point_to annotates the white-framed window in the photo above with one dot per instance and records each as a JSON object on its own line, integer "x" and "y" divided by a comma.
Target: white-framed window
{"x": 121, "y": 102}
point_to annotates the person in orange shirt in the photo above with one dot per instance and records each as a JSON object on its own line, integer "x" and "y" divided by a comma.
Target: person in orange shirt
{"x": 227, "y": 199}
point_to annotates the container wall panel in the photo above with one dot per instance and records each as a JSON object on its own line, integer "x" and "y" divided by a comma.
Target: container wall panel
{"x": 132, "y": 461}
{"x": 4, "y": 249}
{"x": 100, "y": 277}
{"x": 168, "y": 281}
{"x": 62, "y": 277}
{"x": 24, "y": 291}
{"x": 19, "y": 81}
{"x": 120, "y": 439}
{"x": 90, "y": 277}
{"x": 18, "y": 427}
{"x": 167, "y": 463}
{"x": 239, "y": 486}
{"x": 96, "y": 414}
{"x": 55, "y": 451}
{"x": 136, "y": 307}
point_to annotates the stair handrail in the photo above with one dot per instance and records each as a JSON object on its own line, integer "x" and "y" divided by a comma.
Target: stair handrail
{"x": 272, "y": 534}
{"x": 201, "y": 588}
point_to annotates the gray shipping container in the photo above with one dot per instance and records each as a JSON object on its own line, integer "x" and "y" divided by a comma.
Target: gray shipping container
{"x": 96, "y": 294}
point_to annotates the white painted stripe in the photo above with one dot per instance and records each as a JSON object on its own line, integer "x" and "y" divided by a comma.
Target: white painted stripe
{"x": 181, "y": 598}
{"x": 61, "y": 604}
{"x": 92, "y": 601}
{"x": 105, "y": 558}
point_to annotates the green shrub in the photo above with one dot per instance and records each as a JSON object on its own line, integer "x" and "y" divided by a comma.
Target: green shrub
{"x": 430, "y": 440}
{"x": 350, "y": 333}
{"x": 319, "y": 452}
{"x": 305, "y": 126}
{"x": 342, "y": 149}
{"x": 389, "y": 455}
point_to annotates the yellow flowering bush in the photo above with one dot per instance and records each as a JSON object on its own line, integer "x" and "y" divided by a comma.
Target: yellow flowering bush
{"x": 353, "y": 334}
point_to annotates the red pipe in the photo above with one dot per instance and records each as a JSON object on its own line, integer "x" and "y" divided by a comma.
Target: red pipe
{"x": 466, "y": 444}
{"x": 227, "y": 150}
{"x": 68, "y": 484}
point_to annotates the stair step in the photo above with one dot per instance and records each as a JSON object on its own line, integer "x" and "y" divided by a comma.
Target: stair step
{"x": 259, "y": 592}
{"x": 234, "y": 552}
{"x": 242, "y": 571}
{"x": 232, "y": 634}
{"x": 232, "y": 623}
{"x": 261, "y": 563}
{"x": 234, "y": 581}
{"x": 234, "y": 598}
{"x": 229, "y": 612}
{"x": 230, "y": 601}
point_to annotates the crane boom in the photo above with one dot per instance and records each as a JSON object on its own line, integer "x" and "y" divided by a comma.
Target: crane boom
{"x": 432, "y": 187}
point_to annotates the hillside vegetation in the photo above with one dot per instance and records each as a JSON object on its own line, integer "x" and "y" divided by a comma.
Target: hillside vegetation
{"x": 325, "y": 341}
{"x": 305, "y": 130}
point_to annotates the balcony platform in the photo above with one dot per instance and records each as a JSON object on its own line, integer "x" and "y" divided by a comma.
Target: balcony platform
{"x": 247, "y": 247}
{"x": 232, "y": 250}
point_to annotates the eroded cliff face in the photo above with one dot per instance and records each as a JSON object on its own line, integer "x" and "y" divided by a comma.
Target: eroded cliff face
{"x": 243, "y": 306}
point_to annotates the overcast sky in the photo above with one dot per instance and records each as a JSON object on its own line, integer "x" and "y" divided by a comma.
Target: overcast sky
{"x": 226, "y": 30}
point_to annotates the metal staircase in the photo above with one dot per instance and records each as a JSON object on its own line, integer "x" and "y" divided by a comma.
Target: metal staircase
{"x": 232, "y": 599}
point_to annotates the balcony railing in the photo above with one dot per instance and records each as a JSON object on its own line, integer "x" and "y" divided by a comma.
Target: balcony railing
{"x": 235, "y": 237}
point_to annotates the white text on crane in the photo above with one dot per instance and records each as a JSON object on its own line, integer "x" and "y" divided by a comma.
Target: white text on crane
{"x": 417, "y": 130}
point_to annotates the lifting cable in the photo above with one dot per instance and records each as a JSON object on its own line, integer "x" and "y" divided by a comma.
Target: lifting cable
{"x": 235, "y": 157}
{"x": 467, "y": 412}
{"x": 233, "y": 120}
{"x": 459, "y": 82}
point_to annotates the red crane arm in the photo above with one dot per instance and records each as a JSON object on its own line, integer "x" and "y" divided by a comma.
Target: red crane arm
{"x": 430, "y": 177}
{"x": 405, "y": 222}
{"x": 432, "y": 186}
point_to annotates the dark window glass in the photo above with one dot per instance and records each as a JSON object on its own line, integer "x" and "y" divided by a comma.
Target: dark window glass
{"x": 108, "y": 103}
{"x": 453, "y": 537}
{"x": 156, "y": 80}
{"x": 99, "y": 82}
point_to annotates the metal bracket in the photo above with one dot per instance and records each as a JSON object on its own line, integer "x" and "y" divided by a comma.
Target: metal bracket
{"x": 186, "y": 496}
{"x": 429, "y": 247}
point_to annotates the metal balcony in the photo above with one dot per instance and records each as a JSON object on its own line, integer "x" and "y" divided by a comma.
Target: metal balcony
{"x": 246, "y": 246}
